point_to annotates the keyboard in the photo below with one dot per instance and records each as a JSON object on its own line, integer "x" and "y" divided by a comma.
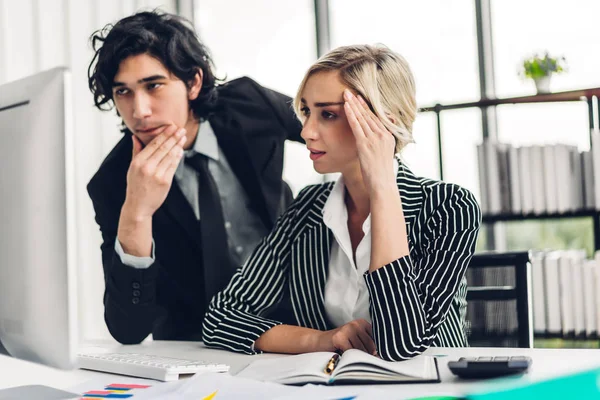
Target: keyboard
{"x": 146, "y": 366}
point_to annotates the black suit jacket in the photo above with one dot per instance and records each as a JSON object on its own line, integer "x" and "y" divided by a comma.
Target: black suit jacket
{"x": 169, "y": 298}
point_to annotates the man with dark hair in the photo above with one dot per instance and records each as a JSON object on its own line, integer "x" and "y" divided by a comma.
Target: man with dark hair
{"x": 194, "y": 184}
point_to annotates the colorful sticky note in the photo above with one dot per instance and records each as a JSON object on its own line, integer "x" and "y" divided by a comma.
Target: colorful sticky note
{"x": 114, "y": 391}
{"x": 123, "y": 386}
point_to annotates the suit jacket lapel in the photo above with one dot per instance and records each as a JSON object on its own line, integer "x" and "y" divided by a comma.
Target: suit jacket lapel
{"x": 310, "y": 266}
{"x": 235, "y": 147}
{"x": 177, "y": 207}
{"x": 411, "y": 195}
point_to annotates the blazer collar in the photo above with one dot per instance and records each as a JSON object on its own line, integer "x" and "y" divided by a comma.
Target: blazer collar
{"x": 409, "y": 187}
{"x": 412, "y": 203}
{"x": 178, "y": 208}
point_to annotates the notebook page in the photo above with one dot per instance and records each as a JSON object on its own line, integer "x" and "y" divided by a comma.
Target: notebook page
{"x": 308, "y": 367}
{"x": 358, "y": 364}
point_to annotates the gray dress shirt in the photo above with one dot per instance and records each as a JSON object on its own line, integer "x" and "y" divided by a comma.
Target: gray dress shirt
{"x": 244, "y": 227}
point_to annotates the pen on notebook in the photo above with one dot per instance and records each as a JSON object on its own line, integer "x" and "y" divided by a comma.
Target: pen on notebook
{"x": 331, "y": 364}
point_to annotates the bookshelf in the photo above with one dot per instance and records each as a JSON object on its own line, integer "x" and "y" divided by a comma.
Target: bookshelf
{"x": 581, "y": 95}
{"x": 586, "y": 95}
{"x": 591, "y": 98}
{"x": 572, "y": 95}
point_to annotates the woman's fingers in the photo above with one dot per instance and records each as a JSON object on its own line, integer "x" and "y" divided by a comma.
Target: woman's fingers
{"x": 368, "y": 121}
{"x": 353, "y": 121}
{"x": 357, "y": 110}
{"x": 367, "y": 342}
{"x": 367, "y": 114}
{"x": 374, "y": 122}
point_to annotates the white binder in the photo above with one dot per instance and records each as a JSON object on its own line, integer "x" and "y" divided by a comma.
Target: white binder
{"x": 565, "y": 272}
{"x": 578, "y": 300}
{"x": 538, "y": 292}
{"x": 597, "y": 290}
{"x": 537, "y": 179}
{"x": 590, "y": 296}
{"x": 552, "y": 286}
{"x": 588, "y": 179}
{"x": 596, "y": 164}
{"x": 550, "y": 178}
{"x": 526, "y": 183}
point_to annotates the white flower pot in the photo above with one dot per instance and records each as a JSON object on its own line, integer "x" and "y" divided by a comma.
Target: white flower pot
{"x": 542, "y": 84}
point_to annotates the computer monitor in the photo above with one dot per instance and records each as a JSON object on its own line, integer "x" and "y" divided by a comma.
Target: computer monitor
{"x": 38, "y": 315}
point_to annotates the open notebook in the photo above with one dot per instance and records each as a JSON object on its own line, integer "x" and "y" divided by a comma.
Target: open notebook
{"x": 353, "y": 367}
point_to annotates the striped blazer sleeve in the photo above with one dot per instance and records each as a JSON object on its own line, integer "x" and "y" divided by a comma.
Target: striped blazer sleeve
{"x": 234, "y": 319}
{"x": 410, "y": 298}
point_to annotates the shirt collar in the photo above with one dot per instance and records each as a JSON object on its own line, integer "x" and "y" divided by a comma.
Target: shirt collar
{"x": 205, "y": 144}
{"x": 335, "y": 213}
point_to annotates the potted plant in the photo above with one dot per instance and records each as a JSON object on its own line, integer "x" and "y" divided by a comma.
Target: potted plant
{"x": 540, "y": 68}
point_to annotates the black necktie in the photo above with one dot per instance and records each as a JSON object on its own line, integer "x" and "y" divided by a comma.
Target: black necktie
{"x": 218, "y": 266}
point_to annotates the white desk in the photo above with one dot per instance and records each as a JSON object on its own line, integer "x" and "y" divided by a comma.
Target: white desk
{"x": 546, "y": 363}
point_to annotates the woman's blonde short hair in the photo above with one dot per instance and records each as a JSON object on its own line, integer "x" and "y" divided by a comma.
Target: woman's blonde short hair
{"x": 381, "y": 76}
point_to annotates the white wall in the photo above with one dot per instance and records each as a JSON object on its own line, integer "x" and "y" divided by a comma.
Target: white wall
{"x": 40, "y": 34}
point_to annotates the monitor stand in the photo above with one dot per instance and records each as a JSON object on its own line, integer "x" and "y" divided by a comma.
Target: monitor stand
{"x": 33, "y": 392}
{"x": 36, "y": 392}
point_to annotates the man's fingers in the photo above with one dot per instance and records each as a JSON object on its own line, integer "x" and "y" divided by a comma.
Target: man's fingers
{"x": 164, "y": 149}
{"x": 170, "y": 171}
{"x": 169, "y": 131}
{"x": 171, "y": 160}
{"x": 137, "y": 146}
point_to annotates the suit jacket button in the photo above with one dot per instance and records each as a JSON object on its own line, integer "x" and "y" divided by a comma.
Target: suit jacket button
{"x": 135, "y": 300}
{"x": 135, "y": 285}
{"x": 136, "y": 293}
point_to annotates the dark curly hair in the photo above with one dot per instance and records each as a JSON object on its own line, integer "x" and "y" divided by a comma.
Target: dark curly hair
{"x": 166, "y": 37}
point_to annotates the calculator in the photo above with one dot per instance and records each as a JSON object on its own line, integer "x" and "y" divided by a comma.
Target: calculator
{"x": 489, "y": 367}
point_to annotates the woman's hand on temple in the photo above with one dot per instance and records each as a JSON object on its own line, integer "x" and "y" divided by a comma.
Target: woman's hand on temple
{"x": 375, "y": 144}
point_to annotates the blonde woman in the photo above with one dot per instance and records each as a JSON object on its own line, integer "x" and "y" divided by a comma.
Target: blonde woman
{"x": 374, "y": 261}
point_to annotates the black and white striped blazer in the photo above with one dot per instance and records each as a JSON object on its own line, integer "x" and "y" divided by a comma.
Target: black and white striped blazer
{"x": 416, "y": 301}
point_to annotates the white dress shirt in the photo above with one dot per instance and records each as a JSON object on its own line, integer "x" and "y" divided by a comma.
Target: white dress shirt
{"x": 346, "y": 293}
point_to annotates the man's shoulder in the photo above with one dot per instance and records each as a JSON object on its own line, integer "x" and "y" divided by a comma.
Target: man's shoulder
{"x": 240, "y": 87}
{"x": 247, "y": 90}
{"x": 251, "y": 105}
{"x": 241, "y": 83}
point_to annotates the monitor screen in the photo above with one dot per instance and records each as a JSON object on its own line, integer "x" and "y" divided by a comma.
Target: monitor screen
{"x": 37, "y": 227}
